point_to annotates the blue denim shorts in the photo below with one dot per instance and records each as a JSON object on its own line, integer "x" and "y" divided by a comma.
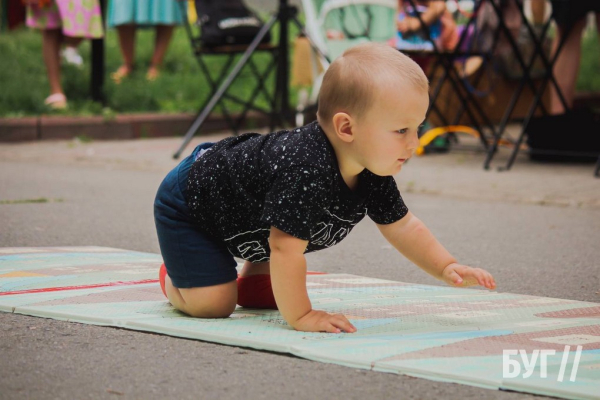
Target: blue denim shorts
{"x": 193, "y": 257}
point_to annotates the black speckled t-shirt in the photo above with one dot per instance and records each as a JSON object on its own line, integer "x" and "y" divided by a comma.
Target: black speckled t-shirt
{"x": 290, "y": 179}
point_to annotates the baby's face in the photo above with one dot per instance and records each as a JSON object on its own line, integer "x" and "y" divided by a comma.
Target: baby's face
{"x": 386, "y": 136}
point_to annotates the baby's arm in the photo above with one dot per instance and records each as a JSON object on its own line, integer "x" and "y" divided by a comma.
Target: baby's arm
{"x": 411, "y": 237}
{"x": 288, "y": 279}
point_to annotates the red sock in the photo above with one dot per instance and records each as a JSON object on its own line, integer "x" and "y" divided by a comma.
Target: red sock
{"x": 162, "y": 273}
{"x": 255, "y": 292}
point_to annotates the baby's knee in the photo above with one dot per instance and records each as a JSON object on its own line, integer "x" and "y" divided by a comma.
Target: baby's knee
{"x": 209, "y": 302}
{"x": 220, "y": 311}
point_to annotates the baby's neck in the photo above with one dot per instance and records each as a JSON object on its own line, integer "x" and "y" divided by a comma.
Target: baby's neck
{"x": 351, "y": 182}
{"x": 348, "y": 168}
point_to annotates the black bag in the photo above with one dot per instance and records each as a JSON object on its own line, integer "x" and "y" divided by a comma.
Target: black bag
{"x": 227, "y": 22}
{"x": 573, "y": 136}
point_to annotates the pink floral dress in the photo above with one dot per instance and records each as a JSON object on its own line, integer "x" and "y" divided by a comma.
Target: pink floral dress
{"x": 77, "y": 18}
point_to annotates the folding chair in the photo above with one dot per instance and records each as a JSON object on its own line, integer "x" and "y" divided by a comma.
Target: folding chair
{"x": 335, "y": 25}
{"x": 466, "y": 92}
{"x": 548, "y": 78}
{"x": 526, "y": 66}
{"x": 220, "y": 83}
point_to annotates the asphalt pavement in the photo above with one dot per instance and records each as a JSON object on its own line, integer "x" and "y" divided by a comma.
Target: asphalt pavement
{"x": 536, "y": 228}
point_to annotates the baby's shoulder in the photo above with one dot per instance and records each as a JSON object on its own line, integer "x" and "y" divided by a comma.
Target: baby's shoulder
{"x": 304, "y": 146}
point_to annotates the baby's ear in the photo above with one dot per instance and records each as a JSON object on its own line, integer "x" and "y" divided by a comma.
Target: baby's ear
{"x": 343, "y": 125}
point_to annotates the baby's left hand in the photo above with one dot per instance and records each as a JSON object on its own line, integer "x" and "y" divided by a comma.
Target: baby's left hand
{"x": 463, "y": 276}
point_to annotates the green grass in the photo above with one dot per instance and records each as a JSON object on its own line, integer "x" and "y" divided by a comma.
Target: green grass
{"x": 589, "y": 71}
{"x": 29, "y": 201}
{"x": 180, "y": 88}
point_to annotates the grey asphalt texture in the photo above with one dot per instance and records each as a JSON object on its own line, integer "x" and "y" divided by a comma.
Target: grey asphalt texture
{"x": 536, "y": 228}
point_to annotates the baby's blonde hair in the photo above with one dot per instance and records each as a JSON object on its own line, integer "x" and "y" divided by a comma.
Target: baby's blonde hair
{"x": 352, "y": 81}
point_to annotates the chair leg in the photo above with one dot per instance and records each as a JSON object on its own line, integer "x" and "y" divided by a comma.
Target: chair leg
{"x": 214, "y": 86}
{"x": 224, "y": 86}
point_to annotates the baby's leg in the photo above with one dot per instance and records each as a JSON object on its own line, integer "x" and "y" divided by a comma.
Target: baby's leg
{"x": 200, "y": 274}
{"x": 216, "y": 301}
{"x": 254, "y": 286}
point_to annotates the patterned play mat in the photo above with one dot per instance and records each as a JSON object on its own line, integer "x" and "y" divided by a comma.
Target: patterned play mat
{"x": 434, "y": 332}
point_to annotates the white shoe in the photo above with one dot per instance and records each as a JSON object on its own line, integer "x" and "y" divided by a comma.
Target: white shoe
{"x": 56, "y": 101}
{"x": 72, "y": 56}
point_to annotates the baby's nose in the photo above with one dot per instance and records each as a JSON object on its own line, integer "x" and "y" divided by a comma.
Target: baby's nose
{"x": 413, "y": 142}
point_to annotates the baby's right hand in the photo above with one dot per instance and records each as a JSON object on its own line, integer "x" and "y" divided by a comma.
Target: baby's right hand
{"x": 320, "y": 321}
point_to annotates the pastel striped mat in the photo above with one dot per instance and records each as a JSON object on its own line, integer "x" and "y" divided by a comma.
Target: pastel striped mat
{"x": 473, "y": 337}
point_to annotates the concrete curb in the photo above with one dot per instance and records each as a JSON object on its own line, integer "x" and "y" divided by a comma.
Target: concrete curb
{"x": 143, "y": 125}
{"x": 123, "y": 126}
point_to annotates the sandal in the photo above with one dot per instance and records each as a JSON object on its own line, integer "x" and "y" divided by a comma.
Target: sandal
{"x": 56, "y": 101}
{"x": 152, "y": 74}
{"x": 121, "y": 73}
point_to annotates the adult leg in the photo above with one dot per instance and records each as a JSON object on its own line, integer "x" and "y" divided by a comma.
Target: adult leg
{"x": 127, "y": 44}
{"x": 566, "y": 67}
{"x": 51, "y": 50}
{"x": 538, "y": 10}
{"x": 164, "y": 33}
{"x": 51, "y": 39}
{"x": 71, "y": 41}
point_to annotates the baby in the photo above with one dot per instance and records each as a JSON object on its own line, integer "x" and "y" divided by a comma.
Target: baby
{"x": 269, "y": 199}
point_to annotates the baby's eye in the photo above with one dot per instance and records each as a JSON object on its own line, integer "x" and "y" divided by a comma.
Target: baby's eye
{"x": 402, "y": 131}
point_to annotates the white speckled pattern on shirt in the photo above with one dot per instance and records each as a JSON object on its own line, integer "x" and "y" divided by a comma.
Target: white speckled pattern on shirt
{"x": 288, "y": 179}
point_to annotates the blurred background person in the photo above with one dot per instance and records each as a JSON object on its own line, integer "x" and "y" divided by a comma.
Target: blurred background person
{"x": 63, "y": 22}
{"x": 570, "y": 16}
{"x": 128, "y": 15}
{"x": 442, "y": 27}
